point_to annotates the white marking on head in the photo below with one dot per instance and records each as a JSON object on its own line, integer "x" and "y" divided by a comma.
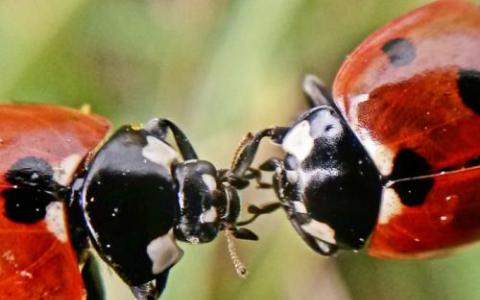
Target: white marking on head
{"x": 298, "y": 141}
{"x": 65, "y": 170}
{"x": 180, "y": 194}
{"x": 390, "y": 207}
{"x": 209, "y": 216}
{"x": 159, "y": 152}
{"x": 163, "y": 252}
{"x": 209, "y": 181}
{"x": 326, "y": 125}
{"x": 55, "y": 220}
{"x": 320, "y": 231}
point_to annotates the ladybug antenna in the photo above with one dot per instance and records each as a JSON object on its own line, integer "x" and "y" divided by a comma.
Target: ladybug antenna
{"x": 232, "y": 250}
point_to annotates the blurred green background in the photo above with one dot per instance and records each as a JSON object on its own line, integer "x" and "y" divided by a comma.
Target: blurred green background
{"x": 219, "y": 69}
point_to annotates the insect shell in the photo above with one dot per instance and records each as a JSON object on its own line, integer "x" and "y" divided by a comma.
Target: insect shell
{"x": 133, "y": 199}
{"x": 389, "y": 157}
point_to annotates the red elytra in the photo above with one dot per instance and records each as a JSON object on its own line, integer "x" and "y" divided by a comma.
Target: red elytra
{"x": 415, "y": 84}
{"x": 399, "y": 90}
{"x": 34, "y": 262}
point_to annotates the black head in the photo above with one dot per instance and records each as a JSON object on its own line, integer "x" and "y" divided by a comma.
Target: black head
{"x": 198, "y": 200}
{"x": 207, "y": 203}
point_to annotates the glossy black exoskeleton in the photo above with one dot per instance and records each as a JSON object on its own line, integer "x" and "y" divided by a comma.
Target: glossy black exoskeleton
{"x": 327, "y": 183}
{"x": 138, "y": 196}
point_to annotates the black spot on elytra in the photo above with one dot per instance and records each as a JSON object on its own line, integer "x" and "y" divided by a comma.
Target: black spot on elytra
{"x": 33, "y": 188}
{"x": 26, "y": 205}
{"x": 400, "y": 52}
{"x": 472, "y": 162}
{"x": 413, "y": 192}
{"x": 31, "y": 171}
{"x": 469, "y": 88}
{"x": 409, "y": 164}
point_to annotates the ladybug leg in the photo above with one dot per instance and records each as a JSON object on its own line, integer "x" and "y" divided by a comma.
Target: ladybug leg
{"x": 272, "y": 164}
{"x": 247, "y": 151}
{"x": 269, "y": 165}
{"x": 316, "y": 92}
{"x": 258, "y": 211}
{"x": 92, "y": 279}
{"x": 159, "y": 128}
{"x": 257, "y": 175}
{"x": 151, "y": 290}
{"x": 279, "y": 180}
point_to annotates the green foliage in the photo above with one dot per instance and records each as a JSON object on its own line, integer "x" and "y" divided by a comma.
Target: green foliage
{"x": 220, "y": 69}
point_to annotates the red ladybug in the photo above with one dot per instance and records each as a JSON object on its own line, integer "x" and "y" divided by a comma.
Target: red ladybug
{"x": 391, "y": 157}
{"x": 132, "y": 197}
{"x": 37, "y": 260}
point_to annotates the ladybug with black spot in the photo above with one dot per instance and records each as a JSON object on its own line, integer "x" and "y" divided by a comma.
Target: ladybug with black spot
{"x": 391, "y": 158}
{"x": 131, "y": 197}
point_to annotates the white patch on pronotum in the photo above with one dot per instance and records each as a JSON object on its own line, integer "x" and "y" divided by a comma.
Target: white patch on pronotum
{"x": 209, "y": 181}
{"x": 323, "y": 246}
{"x": 63, "y": 173}
{"x": 55, "y": 220}
{"x": 320, "y": 231}
{"x": 391, "y": 206}
{"x": 299, "y": 207}
{"x": 381, "y": 155}
{"x": 209, "y": 216}
{"x": 163, "y": 252}
{"x": 326, "y": 125}
{"x": 298, "y": 141}
{"x": 159, "y": 152}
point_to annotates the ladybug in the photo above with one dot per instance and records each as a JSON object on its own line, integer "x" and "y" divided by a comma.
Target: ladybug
{"x": 131, "y": 196}
{"x": 388, "y": 159}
